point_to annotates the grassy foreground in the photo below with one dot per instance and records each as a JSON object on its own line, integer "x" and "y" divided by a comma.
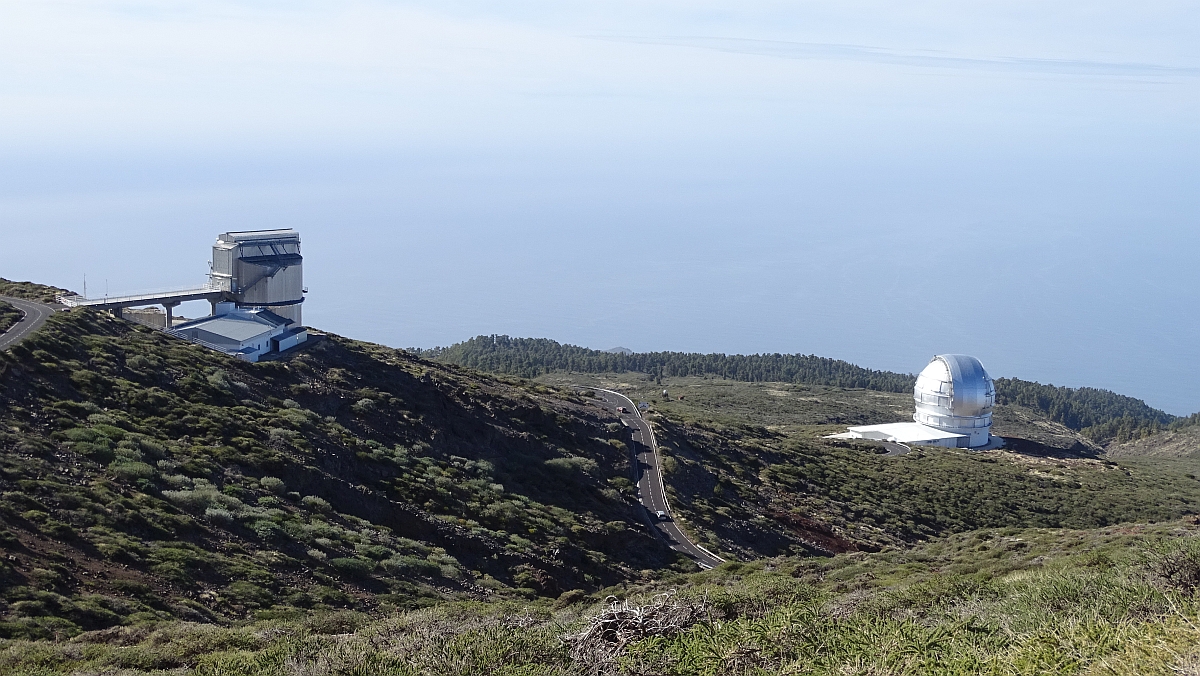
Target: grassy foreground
{"x": 1118, "y": 600}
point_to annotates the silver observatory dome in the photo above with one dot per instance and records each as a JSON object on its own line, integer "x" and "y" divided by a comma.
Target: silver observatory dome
{"x": 955, "y": 394}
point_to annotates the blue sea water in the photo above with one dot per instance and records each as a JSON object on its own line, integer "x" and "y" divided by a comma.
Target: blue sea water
{"x": 1005, "y": 180}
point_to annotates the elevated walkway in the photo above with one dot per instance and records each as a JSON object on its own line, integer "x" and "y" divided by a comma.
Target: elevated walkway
{"x": 168, "y": 298}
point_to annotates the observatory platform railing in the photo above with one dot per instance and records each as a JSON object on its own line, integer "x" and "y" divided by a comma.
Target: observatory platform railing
{"x": 155, "y": 297}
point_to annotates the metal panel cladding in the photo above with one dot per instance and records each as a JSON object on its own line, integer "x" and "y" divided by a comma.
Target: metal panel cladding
{"x": 955, "y": 393}
{"x": 261, "y": 268}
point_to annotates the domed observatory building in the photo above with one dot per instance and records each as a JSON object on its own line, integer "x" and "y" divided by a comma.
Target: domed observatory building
{"x": 955, "y": 394}
{"x": 954, "y": 397}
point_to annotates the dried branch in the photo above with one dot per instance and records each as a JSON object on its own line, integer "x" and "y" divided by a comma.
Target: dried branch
{"x": 622, "y": 623}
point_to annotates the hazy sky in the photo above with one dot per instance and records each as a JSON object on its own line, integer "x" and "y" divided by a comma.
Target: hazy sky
{"x": 862, "y": 180}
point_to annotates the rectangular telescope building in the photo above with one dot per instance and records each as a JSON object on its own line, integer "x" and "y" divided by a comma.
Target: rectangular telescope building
{"x": 261, "y": 269}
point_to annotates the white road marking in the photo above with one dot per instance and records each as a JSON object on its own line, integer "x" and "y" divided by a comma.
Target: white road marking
{"x": 670, "y": 531}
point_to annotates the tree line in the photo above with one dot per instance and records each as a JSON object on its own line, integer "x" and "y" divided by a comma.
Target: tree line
{"x": 1099, "y": 414}
{"x": 532, "y": 357}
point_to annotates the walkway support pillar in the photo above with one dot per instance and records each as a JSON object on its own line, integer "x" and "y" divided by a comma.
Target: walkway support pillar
{"x": 167, "y": 307}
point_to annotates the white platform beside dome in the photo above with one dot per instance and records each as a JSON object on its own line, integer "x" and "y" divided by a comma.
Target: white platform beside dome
{"x": 954, "y": 396}
{"x": 905, "y": 433}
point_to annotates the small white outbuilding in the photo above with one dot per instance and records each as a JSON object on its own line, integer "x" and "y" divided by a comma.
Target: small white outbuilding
{"x": 246, "y": 333}
{"x": 954, "y": 396}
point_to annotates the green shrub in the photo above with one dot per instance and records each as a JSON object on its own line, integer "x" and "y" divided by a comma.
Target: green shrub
{"x": 411, "y": 566}
{"x": 110, "y": 431}
{"x": 131, "y": 471}
{"x": 374, "y": 551}
{"x": 267, "y": 530}
{"x": 248, "y": 593}
{"x": 573, "y": 466}
{"x": 219, "y": 516}
{"x": 339, "y": 622}
{"x": 354, "y": 567}
{"x": 315, "y": 503}
{"x": 203, "y": 497}
{"x": 80, "y": 434}
{"x": 273, "y": 484}
{"x": 570, "y": 597}
{"x": 100, "y": 451}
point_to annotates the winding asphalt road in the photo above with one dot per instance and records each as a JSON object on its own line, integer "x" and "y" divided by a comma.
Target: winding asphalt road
{"x": 35, "y": 315}
{"x": 648, "y": 475}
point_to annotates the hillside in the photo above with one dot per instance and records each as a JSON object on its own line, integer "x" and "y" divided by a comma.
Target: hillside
{"x": 145, "y": 480}
{"x": 29, "y": 290}
{"x": 1100, "y": 415}
{"x": 1178, "y": 448}
{"x": 750, "y": 475}
{"x": 142, "y": 477}
{"x": 1118, "y": 601}
{"x": 9, "y": 315}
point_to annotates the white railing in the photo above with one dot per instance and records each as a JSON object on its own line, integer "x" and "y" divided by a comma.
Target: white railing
{"x": 76, "y": 300}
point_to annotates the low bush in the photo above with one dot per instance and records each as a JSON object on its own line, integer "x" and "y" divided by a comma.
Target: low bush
{"x": 353, "y": 566}
{"x": 315, "y": 503}
{"x": 273, "y": 484}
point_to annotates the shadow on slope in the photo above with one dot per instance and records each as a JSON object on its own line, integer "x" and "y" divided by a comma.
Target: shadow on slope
{"x": 143, "y": 477}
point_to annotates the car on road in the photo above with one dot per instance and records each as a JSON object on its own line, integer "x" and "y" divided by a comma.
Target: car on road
{"x": 622, "y": 409}
{"x": 661, "y": 515}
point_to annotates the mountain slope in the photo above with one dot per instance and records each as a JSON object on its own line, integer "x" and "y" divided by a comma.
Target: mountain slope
{"x": 142, "y": 476}
{"x": 9, "y": 316}
{"x": 29, "y": 290}
{"x": 750, "y": 474}
{"x": 1177, "y": 447}
{"x": 1100, "y": 415}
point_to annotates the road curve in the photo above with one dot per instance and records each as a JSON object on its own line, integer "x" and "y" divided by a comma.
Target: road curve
{"x": 35, "y": 315}
{"x": 648, "y": 476}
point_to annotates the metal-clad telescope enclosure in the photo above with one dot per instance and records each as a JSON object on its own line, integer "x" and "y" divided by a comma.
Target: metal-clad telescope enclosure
{"x": 261, "y": 268}
{"x": 955, "y": 394}
{"x": 954, "y": 397}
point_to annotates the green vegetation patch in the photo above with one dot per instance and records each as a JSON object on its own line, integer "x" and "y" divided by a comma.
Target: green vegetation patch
{"x": 532, "y": 357}
{"x": 144, "y": 478}
{"x": 9, "y": 316}
{"x": 749, "y": 474}
{"x": 1099, "y": 414}
{"x": 1012, "y": 601}
{"x": 29, "y": 291}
